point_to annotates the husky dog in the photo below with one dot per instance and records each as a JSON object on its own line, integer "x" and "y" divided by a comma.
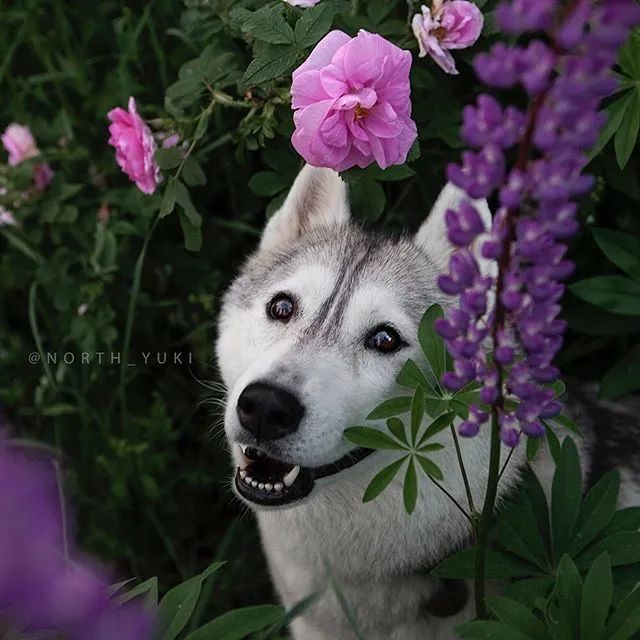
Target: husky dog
{"x": 312, "y": 335}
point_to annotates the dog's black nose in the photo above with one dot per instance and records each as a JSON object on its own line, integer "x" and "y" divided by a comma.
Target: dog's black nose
{"x": 269, "y": 412}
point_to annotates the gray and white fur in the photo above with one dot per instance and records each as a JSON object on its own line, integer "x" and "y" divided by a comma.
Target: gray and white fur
{"x": 346, "y": 281}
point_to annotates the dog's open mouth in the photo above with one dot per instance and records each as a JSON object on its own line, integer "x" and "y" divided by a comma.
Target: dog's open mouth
{"x": 270, "y": 482}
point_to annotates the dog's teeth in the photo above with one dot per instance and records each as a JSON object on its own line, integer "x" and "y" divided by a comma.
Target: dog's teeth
{"x": 290, "y": 478}
{"x": 268, "y": 486}
{"x": 261, "y": 486}
{"x": 247, "y": 479}
{"x": 243, "y": 447}
{"x": 254, "y": 484}
{"x": 243, "y": 473}
{"x": 278, "y": 486}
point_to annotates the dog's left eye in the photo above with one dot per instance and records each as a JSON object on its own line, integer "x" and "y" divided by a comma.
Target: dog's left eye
{"x": 384, "y": 339}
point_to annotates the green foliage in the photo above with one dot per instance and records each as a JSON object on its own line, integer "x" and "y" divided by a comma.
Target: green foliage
{"x": 544, "y": 549}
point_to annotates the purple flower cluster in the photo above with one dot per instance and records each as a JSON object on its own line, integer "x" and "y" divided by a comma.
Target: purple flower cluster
{"x": 565, "y": 70}
{"x": 44, "y": 586}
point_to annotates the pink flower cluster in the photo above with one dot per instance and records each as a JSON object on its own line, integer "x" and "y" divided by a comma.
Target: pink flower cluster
{"x": 352, "y": 103}
{"x": 135, "y": 147}
{"x": 20, "y": 144}
{"x": 449, "y": 24}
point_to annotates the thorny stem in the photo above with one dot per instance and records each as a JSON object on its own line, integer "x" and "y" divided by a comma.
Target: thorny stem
{"x": 463, "y": 470}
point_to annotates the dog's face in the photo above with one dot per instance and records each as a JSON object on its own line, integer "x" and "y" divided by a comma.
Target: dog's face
{"x": 313, "y": 334}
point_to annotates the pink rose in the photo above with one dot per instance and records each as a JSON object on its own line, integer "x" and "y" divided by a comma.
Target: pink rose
{"x": 135, "y": 147}
{"x": 352, "y": 102}
{"x": 450, "y": 24}
{"x": 302, "y": 3}
{"x": 19, "y": 143}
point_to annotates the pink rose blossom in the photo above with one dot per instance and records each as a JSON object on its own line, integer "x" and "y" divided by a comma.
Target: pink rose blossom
{"x": 449, "y": 24}
{"x": 19, "y": 143}
{"x": 135, "y": 147}
{"x": 352, "y": 102}
{"x": 302, "y": 3}
{"x": 42, "y": 176}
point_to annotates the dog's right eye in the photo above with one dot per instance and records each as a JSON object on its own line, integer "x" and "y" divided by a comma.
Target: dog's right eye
{"x": 281, "y": 307}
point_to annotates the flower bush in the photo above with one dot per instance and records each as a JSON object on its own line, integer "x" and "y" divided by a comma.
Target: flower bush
{"x": 225, "y": 103}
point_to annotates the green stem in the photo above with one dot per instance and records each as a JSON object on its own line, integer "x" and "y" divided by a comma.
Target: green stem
{"x": 463, "y": 470}
{"x": 35, "y": 331}
{"x": 131, "y": 311}
{"x": 455, "y": 502}
{"x": 482, "y": 535}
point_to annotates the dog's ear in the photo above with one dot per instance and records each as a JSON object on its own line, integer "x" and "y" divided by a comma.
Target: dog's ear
{"x": 432, "y": 235}
{"x": 317, "y": 198}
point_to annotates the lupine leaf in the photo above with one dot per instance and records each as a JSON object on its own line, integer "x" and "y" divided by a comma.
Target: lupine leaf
{"x": 410, "y": 489}
{"x": 565, "y": 500}
{"x": 500, "y": 566}
{"x": 431, "y": 343}
{"x": 396, "y": 427}
{"x": 430, "y": 467}
{"x": 382, "y": 480}
{"x": 238, "y": 624}
{"x": 439, "y": 424}
{"x": 625, "y": 620}
{"x": 596, "y": 511}
{"x": 623, "y": 377}
{"x": 417, "y": 412}
{"x": 371, "y": 438}
{"x": 489, "y": 630}
{"x": 596, "y": 599}
{"x": 623, "y": 520}
{"x": 569, "y": 594}
{"x": 616, "y": 294}
{"x": 411, "y": 376}
{"x": 623, "y": 548}
{"x": 622, "y": 249}
{"x": 518, "y": 617}
{"x": 392, "y": 407}
{"x": 615, "y": 113}
{"x": 627, "y": 134}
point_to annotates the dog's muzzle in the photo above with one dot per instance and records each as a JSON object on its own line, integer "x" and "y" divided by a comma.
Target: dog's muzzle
{"x": 267, "y": 481}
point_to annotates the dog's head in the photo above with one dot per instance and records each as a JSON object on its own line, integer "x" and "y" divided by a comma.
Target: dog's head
{"x": 314, "y": 331}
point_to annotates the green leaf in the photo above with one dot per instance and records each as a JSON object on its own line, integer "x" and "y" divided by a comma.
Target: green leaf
{"x": 565, "y": 497}
{"x": 382, "y": 480}
{"x": 624, "y": 520}
{"x": 622, "y": 249}
{"x": 178, "y": 604}
{"x": 367, "y": 199}
{"x": 438, "y": 425}
{"x": 314, "y": 23}
{"x": 192, "y": 233}
{"x": 500, "y": 566}
{"x": 596, "y": 512}
{"x": 268, "y": 183}
{"x": 567, "y": 423}
{"x": 431, "y": 343}
{"x": 371, "y": 438}
{"x": 273, "y": 62}
{"x": 533, "y": 446}
{"x": 489, "y": 630}
{"x": 625, "y": 621}
{"x": 596, "y": 599}
{"x": 392, "y": 407}
{"x": 615, "y": 114}
{"x": 430, "y": 468}
{"x": 518, "y": 617}
{"x": 627, "y": 134}
{"x": 411, "y": 376}
{"x": 238, "y": 624}
{"x": 629, "y": 58}
{"x": 192, "y": 173}
{"x": 553, "y": 442}
{"x": 396, "y": 427}
{"x": 559, "y": 388}
{"x": 527, "y": 591}
{"x": 569, "y": 594}
{"x": 168, "y": 159}
{"x": 184, "y": 200}
{"x": 616, "y": 294}
{"x": 168, "y": 198}
{"x": 148, "y": 588}
{"x": 623, "y": 548}
{"x": 417, "y": 412}
{"x": 268, "y": 25}
{"x": 410, "y": 489}
{"x": 623, "y": 377}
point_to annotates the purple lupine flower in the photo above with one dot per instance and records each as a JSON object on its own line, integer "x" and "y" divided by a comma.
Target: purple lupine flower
{"x": 565, "y": 71}
{"x": 44, "y": 584}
